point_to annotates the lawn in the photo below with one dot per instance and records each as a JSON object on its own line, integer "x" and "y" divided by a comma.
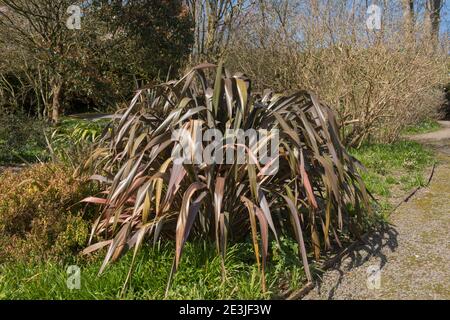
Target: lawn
{"x": 26, "y": 144}
{"x": 393, "y": 169}
{"x": 31, "y": 138}
{"x": 199, "y": 276}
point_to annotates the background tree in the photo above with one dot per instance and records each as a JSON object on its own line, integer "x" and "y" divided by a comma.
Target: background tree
{"x": 119, "y": 46}
{"x": 216, "y": 21}
{"x": 36, "y": 26}
{"x": 408, "y": 17}
{"x": 433, "y": 19}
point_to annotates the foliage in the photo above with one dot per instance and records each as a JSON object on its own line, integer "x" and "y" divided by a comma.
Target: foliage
{"x": 75, "y": 131}
{"x": 98, "y": 66}
{"x": 158, "y": 35}
{"x": 147, "y": 193}
{"x": 27, "y": 139}
{"x": 39, "y": 216}
{"x": 199, "y": 276}
{"x": 21, "y": 139}
{"x": 73, "y": 138}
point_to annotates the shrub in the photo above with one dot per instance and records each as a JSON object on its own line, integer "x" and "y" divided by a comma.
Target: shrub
{"x": 377, "y": 82}
{"x": 73, "y": 138}
{"x": 39, "y": 218}
{"x": 376, "y": 91}
{"x": 317, "y": 187}
{"x": 21, "y": 138}
{"x": 445, "y": 111}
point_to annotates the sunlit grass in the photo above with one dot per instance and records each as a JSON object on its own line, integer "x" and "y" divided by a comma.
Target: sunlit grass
{"x": 398, "y": 165}
{"x": 199, "y": 276}
{"x": 423, "y": 127}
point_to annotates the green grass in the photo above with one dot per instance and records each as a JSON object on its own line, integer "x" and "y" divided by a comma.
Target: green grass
{"x": 399, "y": 166}
{"x": 423, "y": 127}
{"x": 31, "y": 151}
{"x": 199, "y": 276}
{"x": 22, "y": 139}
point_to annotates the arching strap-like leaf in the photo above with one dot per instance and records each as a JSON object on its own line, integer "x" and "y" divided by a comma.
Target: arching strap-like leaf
{"x": 243, "y": 94}
{"x": 299, "y": 235}
{"x": 264, "y": 229}
{"x": 116, "y": 247}
{"x": 96, "y": 246}
{"x": 97, "y": 177}
{"x": 188, "y": 213}
{"x": 95, "y": 200}
{"x": 264, "y": 205}
{"x": 251, "y": 212}
{"x": 217, "y": 89}
{"x": 306, "y": 182}
{"x": 139, "y": 238}
{"x": 218, "y": 197}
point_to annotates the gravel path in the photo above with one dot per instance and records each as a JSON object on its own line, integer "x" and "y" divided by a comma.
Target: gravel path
{"x": 409, "y": 260}
{"x": 432, "y": 137}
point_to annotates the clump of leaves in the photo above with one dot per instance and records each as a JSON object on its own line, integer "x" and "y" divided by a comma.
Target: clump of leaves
{"x": 146, "y": 194}
{"x": 73, "y": 138}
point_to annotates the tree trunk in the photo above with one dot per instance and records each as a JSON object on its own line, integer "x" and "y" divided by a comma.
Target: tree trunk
{"x": 211, "y": 31}
{"x": 433, "y": 20}
{"x": 56, "y": 101}
{"x": 408, "y": 18}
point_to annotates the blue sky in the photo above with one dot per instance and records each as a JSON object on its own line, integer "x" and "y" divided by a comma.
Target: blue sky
{"x": 445, "y": 22}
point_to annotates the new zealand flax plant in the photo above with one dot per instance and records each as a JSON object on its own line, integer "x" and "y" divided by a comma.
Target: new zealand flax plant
{"x": 147, "y": 195}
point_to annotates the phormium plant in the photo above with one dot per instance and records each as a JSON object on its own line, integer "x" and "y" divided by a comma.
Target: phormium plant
{"x": 148, "y": 195}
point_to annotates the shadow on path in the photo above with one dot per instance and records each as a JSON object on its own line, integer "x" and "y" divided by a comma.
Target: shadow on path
{"x": 412, "y": 255}
{"x": 372, "y": 247}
